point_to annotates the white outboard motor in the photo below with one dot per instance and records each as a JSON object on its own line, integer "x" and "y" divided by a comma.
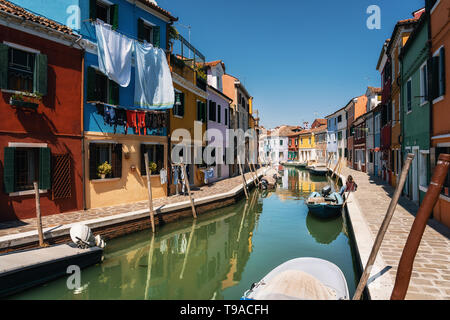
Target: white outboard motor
{"x": 82, "y": 236}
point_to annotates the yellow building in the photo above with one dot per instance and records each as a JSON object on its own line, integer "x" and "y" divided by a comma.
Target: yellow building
{"x": 306, "y": 146}
{"x": 188, "y": 114}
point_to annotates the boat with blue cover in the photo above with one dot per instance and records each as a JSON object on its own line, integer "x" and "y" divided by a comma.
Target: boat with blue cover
{"x": 326, "y": 205}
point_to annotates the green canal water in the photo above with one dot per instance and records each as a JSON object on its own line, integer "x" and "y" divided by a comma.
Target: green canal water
{"x": 218, "y": 256}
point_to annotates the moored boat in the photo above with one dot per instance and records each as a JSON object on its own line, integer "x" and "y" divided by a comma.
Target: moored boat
{"x": 301, "y": 279}
{"x": 320, "y": 171}
{"x": 325, "y": 206}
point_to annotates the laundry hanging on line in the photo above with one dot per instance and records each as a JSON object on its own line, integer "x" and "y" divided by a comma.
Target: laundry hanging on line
{"x": 114, "y": 54}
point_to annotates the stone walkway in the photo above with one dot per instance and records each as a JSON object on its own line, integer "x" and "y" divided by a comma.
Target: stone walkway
{"x": 431, "y": 272}
{"x": 20, "y": 226}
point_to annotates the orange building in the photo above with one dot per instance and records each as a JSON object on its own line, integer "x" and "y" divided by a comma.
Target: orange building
{"x": 440, "y": 114}
{"x": 399, "y": 37}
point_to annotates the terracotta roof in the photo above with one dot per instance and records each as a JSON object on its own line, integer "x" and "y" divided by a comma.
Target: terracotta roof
{"x": 215, "y": 63}
{"x": 20, "y": 12}
{"x": 152, "y": 5}
{"x": 375, "y": 90}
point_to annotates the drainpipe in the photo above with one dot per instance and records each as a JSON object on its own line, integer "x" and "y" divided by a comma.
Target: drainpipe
{"x": 83, "y": 151}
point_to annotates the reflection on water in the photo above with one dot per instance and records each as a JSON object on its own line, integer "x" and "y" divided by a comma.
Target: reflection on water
{"x": 219, "y": 255}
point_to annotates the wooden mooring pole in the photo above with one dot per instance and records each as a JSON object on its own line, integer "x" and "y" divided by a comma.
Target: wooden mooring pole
{"x": 149, "y": 187}
{"x": 405, "y": 265}
{"x": 186, "y": 182}
{"x": 38, "y": 214}
{"x": 383, "y": 228}
{"x": 244, "y": 182}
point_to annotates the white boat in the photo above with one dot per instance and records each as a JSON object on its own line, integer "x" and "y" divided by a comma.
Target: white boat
{"x": 301, "y": 279}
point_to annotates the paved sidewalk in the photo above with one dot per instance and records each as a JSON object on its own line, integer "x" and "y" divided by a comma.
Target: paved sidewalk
{"x": 431, "y": 272}
{"x": 20, "y": 226}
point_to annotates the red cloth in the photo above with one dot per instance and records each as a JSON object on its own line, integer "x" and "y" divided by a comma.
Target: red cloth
{"x": 131, "y": 120}
{"x": 141, "y": 122}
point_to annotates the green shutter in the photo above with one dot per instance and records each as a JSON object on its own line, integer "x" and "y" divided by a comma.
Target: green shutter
{"x": 435, "y": 79}
{"x": 156, "y": 36}
{"x": 115, "y": 16}
{"x": 4, "y": 50}
{"x": 442, "y": 71}
{"x": 204, "y": 111}
{"x": 93, "y": 9}
{"x": 113, "y": 93}
{"x": 8, "y": 170}
{"x": 44, "y": 168}
{"x": 116, "y": 161}
{"x": 182, "y": 104}
{"x": 91, "y": 83}
{"x": 143, "y": 168}
{"x": 93, "y": 161}
{"x": 140, "y": 29}
{"x": 40, "y": 76}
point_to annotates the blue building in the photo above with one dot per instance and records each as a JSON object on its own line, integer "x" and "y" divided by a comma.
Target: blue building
{"x": 123, "y": 147}
{"x": 332, "y": 141}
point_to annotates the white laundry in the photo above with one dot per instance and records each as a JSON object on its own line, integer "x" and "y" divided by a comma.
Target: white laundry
{"x": 114, "y": 54}
{"x": 163, "y": 176}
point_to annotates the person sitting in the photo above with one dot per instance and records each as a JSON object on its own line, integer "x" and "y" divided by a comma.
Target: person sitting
{"x": 350, "y": 186}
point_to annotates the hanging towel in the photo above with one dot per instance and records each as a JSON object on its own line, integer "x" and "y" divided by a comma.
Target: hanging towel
{"x": 114, "y": 54}
{"x": 163, "y": 176}
{"x": 175, "y": 175}
{"x": 131, "y": 120}
{"x": 141, "y": 122}
{"x": 153, "y": 86}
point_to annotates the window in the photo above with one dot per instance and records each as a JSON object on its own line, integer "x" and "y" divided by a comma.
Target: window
{"x": 423, "y": 169}
{"x": 281, "y": 142}
{"x": 101, "y": 152}
{"x": 24, "y": 70}
{"x": 212, "y": 111}
{"x": 105, "y": 12}
{"x": 339, "y": 119}
{"x": 309, "y": 140}
{"x": 201, "y": 111}
{"x": 409, "y": 96}
{"x": 296, "y": 142}
{"x": 446, "y": 186}
{"x": 393, "y": 113}
{"x": 423, "y": 83}
{"x": 178, "y": 108}
{"x": 438, "y": 81}
{"x": 340, "y": 135}
{"x": 23, "y": 166}
{"x": 148, "y": 32}
{"x": 226, "y": 116}
{"x": 155, "y": 154}
{"x": 100, "y": 88}
{"x": 219, "y": 114}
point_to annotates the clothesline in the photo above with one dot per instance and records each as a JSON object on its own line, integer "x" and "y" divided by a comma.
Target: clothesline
{"x": 124, "y": 108}
{"x": 93, "y": 21}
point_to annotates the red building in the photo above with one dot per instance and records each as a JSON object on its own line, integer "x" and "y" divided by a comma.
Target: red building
{"x": 41, "y": 127}
{"x": 293, "y": 147}
{"x": 359, "y": 144}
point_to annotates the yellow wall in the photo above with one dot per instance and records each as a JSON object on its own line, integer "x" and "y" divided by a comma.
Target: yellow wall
{"x": 131, "y": 187}
{"x": 304, "y": 144}
{"x": 187, "y": 122}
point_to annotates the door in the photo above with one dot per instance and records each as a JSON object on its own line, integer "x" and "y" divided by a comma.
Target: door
{"x": 415, "y": 185}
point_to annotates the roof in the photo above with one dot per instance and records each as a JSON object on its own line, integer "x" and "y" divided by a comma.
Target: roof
{"x": 375, "y": 90}
{"x": 319, "y": 122}
{"x": 215, "y": 63}
{"x": 10, "y": 8}
{"x": 401, "y": 23}
{"x": 157, "y": 8}
{"x": 220, "y": 93}
{"x": 383, "y": 50}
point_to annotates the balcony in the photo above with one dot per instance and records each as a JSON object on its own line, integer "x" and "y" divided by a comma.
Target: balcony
{"x": 186, "y": 61}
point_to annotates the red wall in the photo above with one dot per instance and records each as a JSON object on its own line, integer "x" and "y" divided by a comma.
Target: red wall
{"x": 57, "y": 122}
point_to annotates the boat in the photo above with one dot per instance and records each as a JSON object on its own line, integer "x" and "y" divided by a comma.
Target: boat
{"x": 301, "y": 279}
{"x": 303, "y": 164}
{"x": 320, "y": 171}
{"x": 325, "y": 205}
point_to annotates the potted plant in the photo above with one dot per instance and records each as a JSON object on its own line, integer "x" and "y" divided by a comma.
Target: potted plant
{"x": 25, "y": 100}
{"x": 151, "y": 168}
{"x": 104, "y": 169}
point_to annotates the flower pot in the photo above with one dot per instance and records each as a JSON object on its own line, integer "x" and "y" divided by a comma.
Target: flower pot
{"x": 23, "y": 104}
{"x": 102, "y": 176}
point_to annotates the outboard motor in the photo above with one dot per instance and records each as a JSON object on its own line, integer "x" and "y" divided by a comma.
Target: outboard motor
{"x": 326, "y": 191}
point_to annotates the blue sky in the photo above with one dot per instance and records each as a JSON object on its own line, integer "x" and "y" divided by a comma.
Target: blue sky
{"x": 300, "y": 60}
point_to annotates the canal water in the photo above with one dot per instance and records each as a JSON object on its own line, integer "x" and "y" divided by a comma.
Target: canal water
{"x": 218, "y": 256}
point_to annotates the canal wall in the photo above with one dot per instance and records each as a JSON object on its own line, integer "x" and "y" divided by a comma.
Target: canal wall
{"x": 129, "y": 222}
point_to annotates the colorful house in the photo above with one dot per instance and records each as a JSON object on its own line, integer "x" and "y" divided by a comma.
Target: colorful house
{"x": 293, "y": 147}
{"x": 372, "y": 130}
{"x": 337, "y": 135}
{"x": 190, "y": 110}
{"x": 416, "y": 109}
{"x": 218, "y": 115}
{"x": 439, "y": 95}
{"x": 354, "y": 109}
{"x": 41, "y": 131}
{"x": 384, "y": 66}
{"x": 399, "y": 37}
